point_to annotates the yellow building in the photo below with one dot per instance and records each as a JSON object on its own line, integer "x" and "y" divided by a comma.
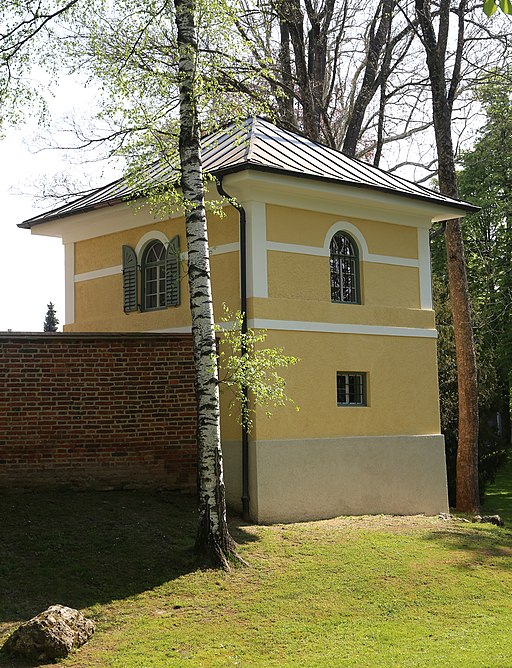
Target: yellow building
{"x": 336, "y": 258}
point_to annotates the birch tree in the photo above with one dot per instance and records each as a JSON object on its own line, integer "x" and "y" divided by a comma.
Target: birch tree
{"x": 213, "y": 536}
{"x": 22, "y": 25}
{"x": 147, "y": 56}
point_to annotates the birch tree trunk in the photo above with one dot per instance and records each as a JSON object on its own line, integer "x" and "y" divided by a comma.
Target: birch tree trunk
{"x": 213, "y": 538}
{"x": 467, "y": 496}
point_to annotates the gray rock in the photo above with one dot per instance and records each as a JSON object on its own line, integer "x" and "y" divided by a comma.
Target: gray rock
{"x": 50, "y": 635}
{"x": 489, "y": 519}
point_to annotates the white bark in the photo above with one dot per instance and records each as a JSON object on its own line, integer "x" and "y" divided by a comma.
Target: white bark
{"x": 213, "y": 537}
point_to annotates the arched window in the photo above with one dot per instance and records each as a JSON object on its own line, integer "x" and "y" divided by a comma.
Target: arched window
{"x": 344, "y": 261}
{"x": 153, "y": 276}
{"x": 157, "y": 275}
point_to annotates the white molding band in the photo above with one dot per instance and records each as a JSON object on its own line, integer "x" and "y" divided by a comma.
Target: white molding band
{"x": 323, "y": 327}
{"x": 98, "y": 273}
{"x": 225, "y": 248}
{"x": 341, "y": 328}
{"x": 296, "y": 248}
{"x": 389, "y": 259}
{"x": 425, "y": 269}
{"x": 324, "y": 252}
{"x": 69, "y": 273}
{"x": 118, "y": 269}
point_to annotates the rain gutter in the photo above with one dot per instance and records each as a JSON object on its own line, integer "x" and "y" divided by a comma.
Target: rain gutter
{"x": 243, "y": 351}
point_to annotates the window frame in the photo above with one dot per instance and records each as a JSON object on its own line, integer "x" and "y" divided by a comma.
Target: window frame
{"x": 160, "y": 266}
{"x": 355, "y": 259}
{"x": 362, "y": 391}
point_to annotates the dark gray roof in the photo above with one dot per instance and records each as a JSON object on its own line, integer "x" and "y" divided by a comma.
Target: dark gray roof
{"x": 257, "y": 144}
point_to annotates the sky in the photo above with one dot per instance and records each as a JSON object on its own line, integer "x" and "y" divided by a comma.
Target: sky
{"x": 32, "y": 266}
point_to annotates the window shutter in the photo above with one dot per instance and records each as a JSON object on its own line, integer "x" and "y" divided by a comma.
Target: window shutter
{"x": 172, "y": 273}
{"x": 130, "y": 292}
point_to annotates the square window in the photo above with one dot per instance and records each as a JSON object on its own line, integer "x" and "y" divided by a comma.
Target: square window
{"x": 351, "y": 388}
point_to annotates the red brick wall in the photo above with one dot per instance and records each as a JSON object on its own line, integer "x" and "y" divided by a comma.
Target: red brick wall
{"x": 97, "y": 411}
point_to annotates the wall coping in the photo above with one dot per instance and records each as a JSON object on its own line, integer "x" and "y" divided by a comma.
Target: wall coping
{"x": 26, "y": 336}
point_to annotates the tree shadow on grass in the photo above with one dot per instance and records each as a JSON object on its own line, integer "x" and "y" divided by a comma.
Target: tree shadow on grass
{"x": 485, "y": 543}
{"x": 481, "y": 545}
{"x": 85, "y": 548}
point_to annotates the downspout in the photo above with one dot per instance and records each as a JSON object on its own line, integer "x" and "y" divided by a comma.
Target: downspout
{"x": 243, "y": 309}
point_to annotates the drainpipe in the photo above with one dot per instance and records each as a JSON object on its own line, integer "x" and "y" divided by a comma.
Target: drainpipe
{"x": 243, "y": 309}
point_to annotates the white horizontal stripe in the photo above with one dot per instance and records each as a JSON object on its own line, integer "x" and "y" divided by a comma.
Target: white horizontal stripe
{"x": 389, "y": 259}
{"x": 217, "y": 250}
{"x": 225, "y": 248}
{"x": 111, "y": 271}
{"x": 324, "y": 252}
{"x": 296, "y": 248}
{"x": 98, "y": 273}
{"x": 345, "y": 328}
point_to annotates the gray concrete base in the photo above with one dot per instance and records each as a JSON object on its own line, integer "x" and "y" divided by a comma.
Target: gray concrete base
{"x": 298, "y": 480}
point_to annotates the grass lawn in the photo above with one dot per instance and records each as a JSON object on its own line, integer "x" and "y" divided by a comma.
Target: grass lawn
{"x": 364, "y": 591}
{"x": 498, "y": 498}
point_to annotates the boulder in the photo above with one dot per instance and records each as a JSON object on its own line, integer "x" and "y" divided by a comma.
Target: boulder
{"x": 490, "y": 519}
{"x": 50, "y": 635}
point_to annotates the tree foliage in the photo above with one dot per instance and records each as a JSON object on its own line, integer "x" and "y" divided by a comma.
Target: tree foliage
{"x": 244, "y": 363}
{"x": 485, "y": 180}
{"x": 50, "y": 321}
{"x": 492, "y": 6}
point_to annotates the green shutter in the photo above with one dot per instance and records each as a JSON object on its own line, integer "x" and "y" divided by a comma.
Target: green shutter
{"x": 172, "y": 273}
{"x": 130, "y": 292}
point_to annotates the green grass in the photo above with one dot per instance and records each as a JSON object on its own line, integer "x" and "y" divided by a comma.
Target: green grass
{"x": 498, "y": 498}
{"x": 356, "y": 592}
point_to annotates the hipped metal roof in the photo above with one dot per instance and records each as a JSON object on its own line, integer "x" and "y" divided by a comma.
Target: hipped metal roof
{"x": 259, "y": 145}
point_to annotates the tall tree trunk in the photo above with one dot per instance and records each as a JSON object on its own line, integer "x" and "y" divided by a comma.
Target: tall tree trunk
{"x": 285, "y": 100}
{"x": 213, "y": 538}
{"x": 467, "y": 496}
{"x": 377, "y": 40}
{"x": 292, "y": 16}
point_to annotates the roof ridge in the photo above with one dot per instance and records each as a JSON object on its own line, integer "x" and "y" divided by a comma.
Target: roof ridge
{"x": 249, "y": 150}
{"x": 258, "y": 143}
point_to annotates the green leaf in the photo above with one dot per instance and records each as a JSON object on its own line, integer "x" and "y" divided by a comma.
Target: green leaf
{"x": 506, "y": 6}
{"x": 490, "y": 7}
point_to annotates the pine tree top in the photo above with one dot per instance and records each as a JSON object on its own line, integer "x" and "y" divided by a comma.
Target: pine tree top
{"x": 50, "y": 321}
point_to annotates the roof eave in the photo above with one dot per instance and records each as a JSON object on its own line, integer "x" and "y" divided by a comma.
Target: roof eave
{"x": 58, "y": 214}
{"x": 465, "y": 207}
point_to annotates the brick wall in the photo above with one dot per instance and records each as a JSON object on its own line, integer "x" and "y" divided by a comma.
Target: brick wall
{"x": 97, "y": 411}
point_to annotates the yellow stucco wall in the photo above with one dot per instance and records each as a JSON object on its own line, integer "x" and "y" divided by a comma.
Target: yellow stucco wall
{"x": 99, "y": 301}
{"x": 99, "y": 305}
{"x": 105, "y": 251}
{"x": 401, "y": 381}
{"x": 306, "y": 277}
{"x": 298, "y": 226}
{"x": 402, "y": 374}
